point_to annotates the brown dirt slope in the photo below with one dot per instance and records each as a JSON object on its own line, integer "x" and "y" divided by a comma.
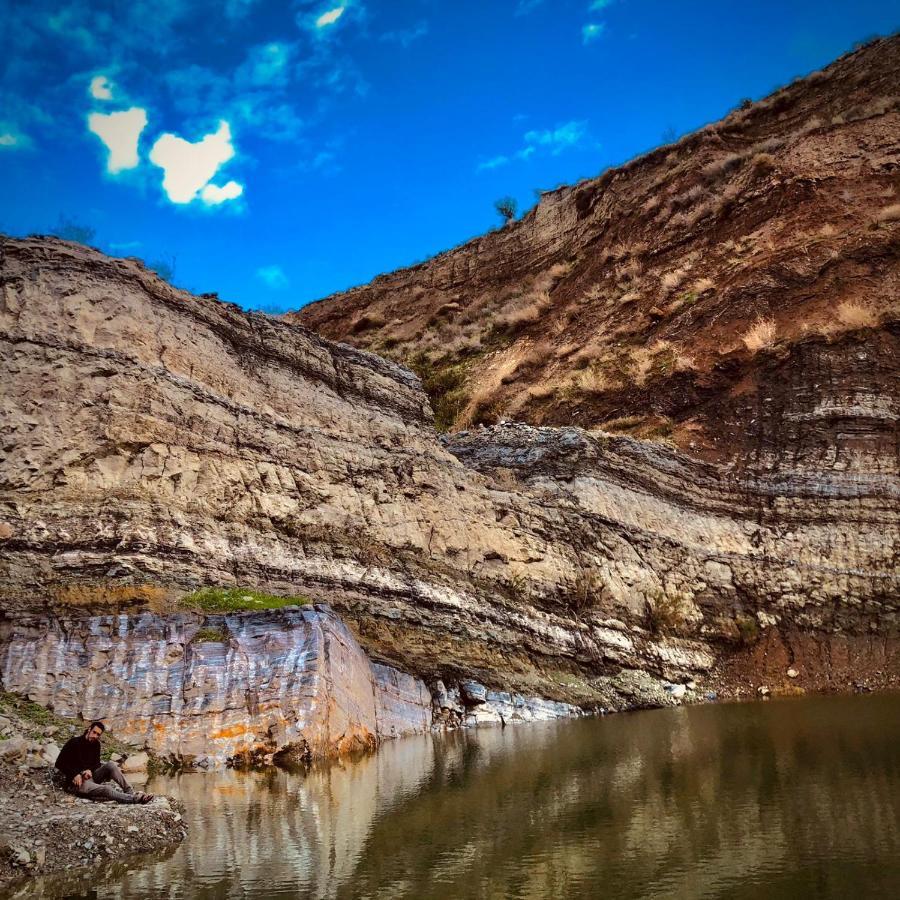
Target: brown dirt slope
{"x": 704, "y": 292}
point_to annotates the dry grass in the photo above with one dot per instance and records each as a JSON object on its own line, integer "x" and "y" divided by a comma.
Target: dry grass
{"x": 629, "y": 297}
{"x": 717, "y": 168}
{"x": 812, "y": 125}
{"x": 594, "y": 292}
{"x": 688, "y": 218}
{"x": 629, "y": 271}
{"x": 856, "y": 315}
{"x": 592, "y": 381}
{"x": 620, "y": 424}
{"x": 726, "y": 199}
{"x": 888, "y": 213}
{"x": 641, "y": 364}
{"x": 673, "y": 279}
{"x": 768, "y": 146}
{"x": 565, "y": 350}
{"x": 542, "y": 391}
{"x": 659, "y": 357}
{"x": 527, "y": 310}
{"x": 827, "y": 231}
{"x": 763, "y": 162}
{"x": 690, "y": 196}
{"x": 703, "y": 286}
{"x": 559, "y": 270}
{"x": 685, "y": 363}
{"x": 465, "y": 343}
{"x": 760, "y": 334}
{"x": 586, "y": 355}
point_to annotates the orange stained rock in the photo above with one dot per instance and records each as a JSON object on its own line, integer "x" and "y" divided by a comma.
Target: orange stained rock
{"x": 232, "y": 731}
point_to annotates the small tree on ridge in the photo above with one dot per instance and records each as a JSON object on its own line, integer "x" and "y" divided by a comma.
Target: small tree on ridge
{"x": 506, "y": 207}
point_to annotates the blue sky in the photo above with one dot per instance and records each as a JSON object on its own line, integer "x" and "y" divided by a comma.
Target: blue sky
{"x": 279, "y": 151}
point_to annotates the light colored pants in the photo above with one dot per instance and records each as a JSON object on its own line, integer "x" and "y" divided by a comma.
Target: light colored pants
{"x": 100, "y": 786}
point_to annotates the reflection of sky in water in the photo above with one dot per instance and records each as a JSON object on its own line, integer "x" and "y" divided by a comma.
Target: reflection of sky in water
{"x": 785, "y": 799}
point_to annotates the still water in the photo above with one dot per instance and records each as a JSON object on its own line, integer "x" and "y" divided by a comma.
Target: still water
{"x": 787, "y": 799}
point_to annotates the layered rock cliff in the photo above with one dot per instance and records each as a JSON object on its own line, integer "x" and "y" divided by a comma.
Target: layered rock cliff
{"x": 155, "y": 442}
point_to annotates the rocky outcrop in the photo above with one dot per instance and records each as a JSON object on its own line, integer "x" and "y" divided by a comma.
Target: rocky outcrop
{"x": 52, "y": 831}
{"x": 155, "y": 442}
{"x": 288, "y": 680}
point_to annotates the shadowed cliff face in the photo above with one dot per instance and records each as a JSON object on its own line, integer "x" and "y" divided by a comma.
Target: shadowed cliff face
{"x": 155, "y": 441}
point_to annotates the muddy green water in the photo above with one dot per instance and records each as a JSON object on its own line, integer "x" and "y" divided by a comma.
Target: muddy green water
{"x": 786, "y": 799}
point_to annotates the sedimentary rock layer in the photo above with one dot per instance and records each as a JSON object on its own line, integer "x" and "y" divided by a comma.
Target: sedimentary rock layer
{"x": 154, "y": 442}
{"x": 292, "y": 678}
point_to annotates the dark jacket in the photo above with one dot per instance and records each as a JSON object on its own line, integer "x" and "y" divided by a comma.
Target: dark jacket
{"x": 77, "y": 755}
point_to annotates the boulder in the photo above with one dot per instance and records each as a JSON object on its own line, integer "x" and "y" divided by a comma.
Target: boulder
{"x": 50, "y": 751}
{"x": 136, "y": 762}
{"x": 473, "y": 693}
{"x": 14, "y": 748}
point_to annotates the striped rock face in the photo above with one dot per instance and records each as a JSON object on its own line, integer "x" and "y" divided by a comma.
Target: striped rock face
{"x": 289, "y": 679}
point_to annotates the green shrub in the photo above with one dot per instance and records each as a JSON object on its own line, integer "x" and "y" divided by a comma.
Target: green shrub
{"x": 666, "y": 613}
{"x": 445, "y": 386}
{"x": 748, "y": 630}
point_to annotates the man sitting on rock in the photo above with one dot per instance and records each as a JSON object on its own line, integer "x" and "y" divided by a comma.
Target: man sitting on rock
{"x": 79, "y": 762}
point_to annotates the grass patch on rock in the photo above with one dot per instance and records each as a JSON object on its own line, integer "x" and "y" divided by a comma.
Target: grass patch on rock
{"x": 208, "y": 635}
{"x": 227, "y": 600}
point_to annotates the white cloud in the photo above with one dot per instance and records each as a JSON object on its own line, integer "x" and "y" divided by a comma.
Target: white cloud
{"x": 551, "y": 140}
{"x": 120, "y": 131}
{"x": 564, "y": 136}
{"x": 493, "y": 163}
{"x": 101, "y": 88}
{"x": 273, "y": 276}
{"x": 330, "y": 17}
{"x": 189, "y": 167}
{"x": 405, "y": 36}
{"x": 591, "y": 32}
{"x": 213, "y": 195}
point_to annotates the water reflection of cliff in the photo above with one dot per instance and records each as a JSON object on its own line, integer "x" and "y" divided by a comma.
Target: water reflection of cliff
{"x": 789, "y": 799}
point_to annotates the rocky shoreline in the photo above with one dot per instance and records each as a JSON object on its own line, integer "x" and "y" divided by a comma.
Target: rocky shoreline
{"x": 44, "y": 830}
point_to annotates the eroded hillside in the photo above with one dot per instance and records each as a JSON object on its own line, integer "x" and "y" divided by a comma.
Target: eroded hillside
{"x": 703, "y": 293}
